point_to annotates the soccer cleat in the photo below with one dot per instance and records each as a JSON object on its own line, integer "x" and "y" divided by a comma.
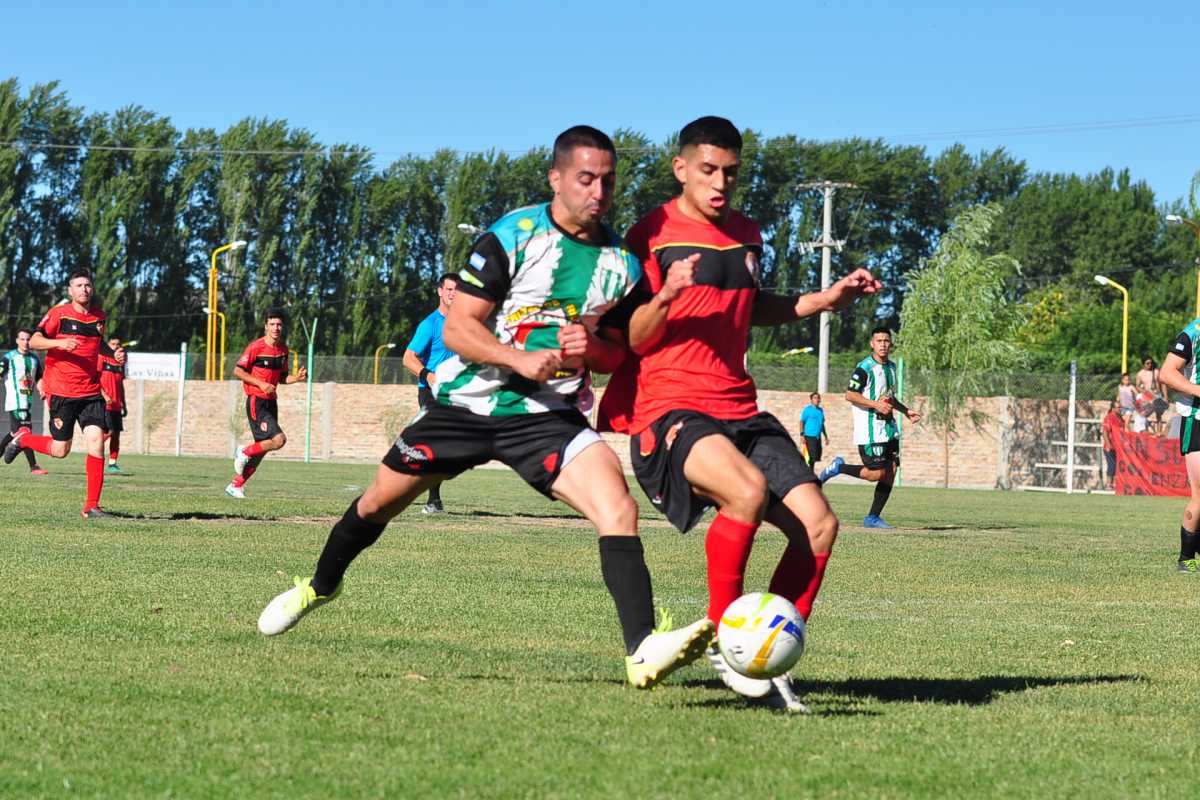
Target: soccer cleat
{"x": 872, "y": 521}
{"x": 666, "y": 650}
{"x": 833, "y": 470}
{"x": 1189, "y": 565}
{"x": 282, "y": 613}
{"x": 115, "y": 469}
{"x": 432, "y": 508}
{"x": 235, "y": 491}
{"x": 239, "y": 462}
{"x": 784, "y": 696}
{"x": 96, "y": 512}
{"x": 36, "y": 470}
{"x": 746, "y": 687}
{"x": 14, "y": 447}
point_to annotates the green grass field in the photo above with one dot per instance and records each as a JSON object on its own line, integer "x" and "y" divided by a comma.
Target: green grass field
{"x": 1000, "y": 645}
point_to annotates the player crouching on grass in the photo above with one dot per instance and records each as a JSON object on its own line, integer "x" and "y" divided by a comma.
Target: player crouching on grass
{"x": 72, "y": 334}
{"x": 262, "y": 367}
{"x": 524, "y": 326}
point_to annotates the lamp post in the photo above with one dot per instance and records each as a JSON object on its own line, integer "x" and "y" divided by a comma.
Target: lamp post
{"x": 1103, "y": 281}
{"x": 379, "y": 352}
{"x": 211, "y": 337}
{"x": 1175, "y": 219}
{"x": 221, "y": 316}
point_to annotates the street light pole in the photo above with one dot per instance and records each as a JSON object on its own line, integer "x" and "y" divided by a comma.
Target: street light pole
{"x": 1175, "y": 219}
{"x": 378, "y": 352}
{"x": 211, "y": 337}
{"x": 220, "y": 316}
{"x": 1104, "y": 281}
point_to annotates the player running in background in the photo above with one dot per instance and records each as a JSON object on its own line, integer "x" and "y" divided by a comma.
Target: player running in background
{"x": 112, "y": 386}
{"x": 21, "y": 371}
{"x": 262, "y": 367}
{"x": 697, "y": 436}
{"x": 872, "y": 394}
{"x": 72, "y": 334}
{"x": 423, "y": 355}
{"x": 522, "y": 325}
{"x": 1179, "y": 372}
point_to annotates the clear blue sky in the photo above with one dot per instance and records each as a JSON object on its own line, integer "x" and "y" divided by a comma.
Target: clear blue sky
{"x": 410, "y": 78}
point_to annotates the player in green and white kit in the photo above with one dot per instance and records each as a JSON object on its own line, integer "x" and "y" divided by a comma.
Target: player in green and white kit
{"x": 1179, "y": 371}
{"x": 21, "y": 371}
{"x": 872, "y": 394}
{"x": 526, "y": 327}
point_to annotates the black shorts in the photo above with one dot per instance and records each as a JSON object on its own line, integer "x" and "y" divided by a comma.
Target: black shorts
{"x": 263, "y": 416}
{"x": 19, "y": 419}
{"x": 1189, "y": 436}
{"x": 449, "y": 441}
{"x": 813, "y": 445}
{"x": 658, "y": 454}
{"x": 66, "y": 411}
{"x": 115, "y": 425}
{"x": 880, "y": 455}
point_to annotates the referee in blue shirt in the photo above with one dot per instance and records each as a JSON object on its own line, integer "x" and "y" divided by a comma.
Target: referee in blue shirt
{"x": 812, "y": 420}
{"x": 422, "y": 356}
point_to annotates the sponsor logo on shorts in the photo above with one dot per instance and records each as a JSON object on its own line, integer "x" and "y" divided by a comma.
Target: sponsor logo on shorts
{"x": 415, "y": 455}
{"x": 58, "y": 423}
{"x": 550, "y": 463}
{"x": 262, "y": 426}
{"x": 478, "y": 261}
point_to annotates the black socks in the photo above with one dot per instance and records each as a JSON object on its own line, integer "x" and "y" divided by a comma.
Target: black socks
{"x": 623, "y": 565}
{"x": 350, "y": 536}
{"x": 853, "y": 470}
{"x": 1188, "y": 542}
{"x": 882, "y": 492}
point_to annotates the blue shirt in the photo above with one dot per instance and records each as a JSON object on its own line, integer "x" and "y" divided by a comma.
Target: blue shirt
{"x": 427, "y": 342}
{"x": 813, "y": 420}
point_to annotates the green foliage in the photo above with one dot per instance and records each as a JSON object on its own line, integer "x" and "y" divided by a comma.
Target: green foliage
{"x": 958, "y": 324}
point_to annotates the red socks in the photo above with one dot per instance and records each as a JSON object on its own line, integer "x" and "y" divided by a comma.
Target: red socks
{"x": 95, "y": 481}
{"x": 799, "y": 575}
{"x": 240, "y": 480}
{"x": 38, "y": 444}
{"x": 728, "y": 549}
{"x": 252, "y": 450}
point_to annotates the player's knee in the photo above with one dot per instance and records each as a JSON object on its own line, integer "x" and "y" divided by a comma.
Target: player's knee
{"x": 620, "y": 515}
{"x": 747, "y": 494}
{"x": 279, "y": 441}
{"x": 823, "y": 532}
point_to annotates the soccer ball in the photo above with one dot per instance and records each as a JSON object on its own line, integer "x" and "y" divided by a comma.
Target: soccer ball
{"x": 761, "y": 635}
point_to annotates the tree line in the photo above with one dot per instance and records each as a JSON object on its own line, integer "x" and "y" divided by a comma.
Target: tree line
{"x": 355, "y": 245}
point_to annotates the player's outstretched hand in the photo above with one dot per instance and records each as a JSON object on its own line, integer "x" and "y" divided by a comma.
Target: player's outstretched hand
{"x": 843, "y": 293}
{"x": 573, "y": 339}
{"x": 680, "y": 275}
{"x": 913, "y": 416}
{"x": 537, "y": 365}
{"x": 302, "y": 374}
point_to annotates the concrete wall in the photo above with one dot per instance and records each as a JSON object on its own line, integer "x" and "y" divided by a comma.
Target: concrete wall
{"x": 356, "y": 422}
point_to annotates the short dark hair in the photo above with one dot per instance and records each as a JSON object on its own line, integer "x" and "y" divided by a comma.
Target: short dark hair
{"x": 814, "y": 394}
{"x": 581, "y": 136}
{"x": 275, "y": 312}
{"x": 447, "y": 276}
{"x": 24, "y": 330}
{"x": 881, "y": 329}
{"x": 717, "y": 131}
{"x": 79, "y": 273}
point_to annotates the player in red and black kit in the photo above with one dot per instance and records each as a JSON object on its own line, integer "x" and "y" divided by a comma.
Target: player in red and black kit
{"x": 72, "y": 334}
{"x": 262, "y": 367}
{"x": 112, "y": 386}
{"x": 697, "y": 436}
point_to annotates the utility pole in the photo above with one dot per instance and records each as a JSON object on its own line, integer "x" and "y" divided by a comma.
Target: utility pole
{"x": 826, "y": 244}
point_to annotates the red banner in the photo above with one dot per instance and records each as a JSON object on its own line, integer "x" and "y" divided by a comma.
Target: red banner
{"x": 1149, "y": 465}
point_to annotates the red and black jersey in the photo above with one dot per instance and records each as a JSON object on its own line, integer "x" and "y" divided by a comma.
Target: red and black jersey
{"x": 699, "y": 363}
{"x": 112, "y": 381}
{"x": 73, "y": 373}
{"x": 265, "y": 362}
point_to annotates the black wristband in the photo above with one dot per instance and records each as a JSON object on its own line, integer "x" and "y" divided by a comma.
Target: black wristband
{"x": 424, "y": 376}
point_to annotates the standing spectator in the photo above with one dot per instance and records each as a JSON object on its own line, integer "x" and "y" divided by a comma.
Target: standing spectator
{"x": 812, "y": 421}
{"x": 1125, "y": 399}
{"x": 112, "y": 387}
{"x": 1110, "y": 429}
{"x": 1147, "y": 382}
{"x": 20, "y": 371}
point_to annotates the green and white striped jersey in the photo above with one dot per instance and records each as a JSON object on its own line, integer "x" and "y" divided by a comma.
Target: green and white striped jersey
{"x": 541, "y": 279}
{"x": 20, "y": 373}
{"x": 873, "y": 381}
{"x": 1184, "y": 346}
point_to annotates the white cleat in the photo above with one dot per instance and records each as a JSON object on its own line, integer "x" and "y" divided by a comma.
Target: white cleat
{"x": 666, "y": 650}
{"x": 239, "y": 462}
{"x": 282, "y": 613}
{"x": 235, "y": 491}
{"x": 785, "y": 697}
{"x": 746, "y": 687}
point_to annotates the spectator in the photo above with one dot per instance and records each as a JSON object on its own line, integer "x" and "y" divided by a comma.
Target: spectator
{"x": 1125, "y": 399}
{"x": 1110, "y": 429}
{"x": 1147, "y": 382}
{"x": 812, "y": 421}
